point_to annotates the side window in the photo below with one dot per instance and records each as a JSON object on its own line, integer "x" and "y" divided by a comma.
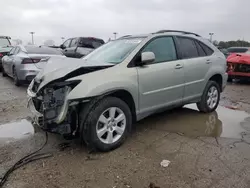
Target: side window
{"x": 208, "y": 50}
{"x": 67, "y": 43}
{"x": 12, "y": 51}
{"x": 163, "y": 48}
{"x": 187, "y": 47}
{"x": 201, "y": 52}
{"x": 74, "y": 42}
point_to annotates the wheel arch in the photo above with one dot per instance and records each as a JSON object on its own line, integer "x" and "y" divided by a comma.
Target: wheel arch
{"x": 127, "y": 97}
{"x": 218, "y": 79}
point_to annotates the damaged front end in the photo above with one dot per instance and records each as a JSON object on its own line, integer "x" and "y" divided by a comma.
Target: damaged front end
{"x": 52, "y": 110}
{"x": 48, "y": 93}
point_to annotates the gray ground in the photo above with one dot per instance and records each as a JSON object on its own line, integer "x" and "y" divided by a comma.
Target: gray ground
{"x": 204, "y": 150}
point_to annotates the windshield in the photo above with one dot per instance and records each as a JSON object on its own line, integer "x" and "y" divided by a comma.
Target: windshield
{"x": 114, "y": 51}
{"x": 4, "y": 42}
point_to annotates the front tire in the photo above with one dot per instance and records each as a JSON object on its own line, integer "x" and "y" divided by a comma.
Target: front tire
{"x": 107, "y": 124}
{"x": 210, "y": 98}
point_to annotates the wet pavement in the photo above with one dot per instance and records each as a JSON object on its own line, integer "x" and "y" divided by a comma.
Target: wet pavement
{"x": 204, "y": 150}
{"x": 15, "y": 131}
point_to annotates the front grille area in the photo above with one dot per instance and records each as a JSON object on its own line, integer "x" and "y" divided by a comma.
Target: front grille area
{"x": 245, "y": 68}
{"x": 242, "y": 68}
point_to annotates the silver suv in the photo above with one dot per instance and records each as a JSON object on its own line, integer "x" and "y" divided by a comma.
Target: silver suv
{"x": 100, "y": 96}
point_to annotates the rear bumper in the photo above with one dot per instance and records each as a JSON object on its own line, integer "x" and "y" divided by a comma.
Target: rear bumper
{"x": 27, "y": 75}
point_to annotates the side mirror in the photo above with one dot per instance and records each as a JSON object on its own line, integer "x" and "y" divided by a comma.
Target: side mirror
{"x": 147, "y": 57}
{"x": 62, "y": 46}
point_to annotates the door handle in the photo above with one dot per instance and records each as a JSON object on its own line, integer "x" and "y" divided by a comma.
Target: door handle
{"x": 178, "y": 66}
{"x": 208, "y": 61}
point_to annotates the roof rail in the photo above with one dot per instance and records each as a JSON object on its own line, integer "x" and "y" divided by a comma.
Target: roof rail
{"x": 125, "y": 36}
{"x": 177, "y": 31}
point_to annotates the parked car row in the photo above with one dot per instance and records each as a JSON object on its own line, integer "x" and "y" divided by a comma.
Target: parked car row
{"x": 23, "y": 63}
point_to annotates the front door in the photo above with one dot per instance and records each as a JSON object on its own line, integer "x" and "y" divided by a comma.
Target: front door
{"x": 161, "y": 83}
{"x": 66, "y": 45}
{"x": 72, "y": 48}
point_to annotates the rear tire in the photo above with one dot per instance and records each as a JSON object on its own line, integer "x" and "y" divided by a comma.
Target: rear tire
{"x": 3, "y": 72}
{"x": 17, "y": 82}
{"x": 101, "y": 129}
{"x": 210, "y": 98}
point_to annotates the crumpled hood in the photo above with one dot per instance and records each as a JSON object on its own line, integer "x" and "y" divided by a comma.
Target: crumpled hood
{"x": 58, "y": 67}
{"x": 239, "y": 58}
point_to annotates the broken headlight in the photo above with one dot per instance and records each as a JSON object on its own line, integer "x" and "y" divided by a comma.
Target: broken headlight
{"x": 54, "y": 98}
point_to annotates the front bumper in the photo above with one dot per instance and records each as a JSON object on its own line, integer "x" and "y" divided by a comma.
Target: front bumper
{"x": 238, "y": 74}
{"x": 57, "y": 124}
{"x": 37, "y": 116}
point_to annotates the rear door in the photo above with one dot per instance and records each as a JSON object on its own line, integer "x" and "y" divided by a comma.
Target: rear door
{"x": 196, "y": 66}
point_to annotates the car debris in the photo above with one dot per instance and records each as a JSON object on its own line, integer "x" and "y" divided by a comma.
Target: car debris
{"x": 165, "y": 163}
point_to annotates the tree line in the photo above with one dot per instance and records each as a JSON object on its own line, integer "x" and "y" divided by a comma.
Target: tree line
{"x": 238, "y": 43}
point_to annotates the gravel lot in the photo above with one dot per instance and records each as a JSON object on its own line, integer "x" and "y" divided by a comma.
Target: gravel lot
{"x": 204, "y": 150}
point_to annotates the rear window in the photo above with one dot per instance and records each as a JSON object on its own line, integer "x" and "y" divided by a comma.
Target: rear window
{"x": 237, "y": 50}
{"x": 90, "y": 43}
{"x": 4, "y": 42}
{"x": 207, "y": 49}
{"x": 42, "y": 50}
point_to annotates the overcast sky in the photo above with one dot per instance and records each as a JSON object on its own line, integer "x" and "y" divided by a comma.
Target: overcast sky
{"x": 53, "y": 19}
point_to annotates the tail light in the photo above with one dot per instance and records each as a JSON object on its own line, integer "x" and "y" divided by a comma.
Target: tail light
{"x": 30, "y": 61}
{"x": 1, "y": 55}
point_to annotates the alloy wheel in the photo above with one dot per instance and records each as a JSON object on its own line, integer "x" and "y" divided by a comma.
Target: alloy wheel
{"x": 111, "y": 125}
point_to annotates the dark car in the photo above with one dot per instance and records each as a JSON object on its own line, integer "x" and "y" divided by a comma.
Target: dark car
{"x": 80, "y": 46}
{"x": 5, "y": 47}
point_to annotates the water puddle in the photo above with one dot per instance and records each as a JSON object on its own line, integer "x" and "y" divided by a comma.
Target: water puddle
{"x": 188, "y": 121}
{"x": 15, "y": 130}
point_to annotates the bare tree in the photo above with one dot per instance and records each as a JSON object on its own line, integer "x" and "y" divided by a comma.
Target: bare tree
{"x": 49, "y": 42}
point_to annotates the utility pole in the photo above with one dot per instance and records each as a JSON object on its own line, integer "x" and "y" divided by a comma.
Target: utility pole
{"x": 62, "y": 39}
{"x": 211, "y": 37}
{"x": 32, "y": 33}
{"x": 115, "y": 33}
